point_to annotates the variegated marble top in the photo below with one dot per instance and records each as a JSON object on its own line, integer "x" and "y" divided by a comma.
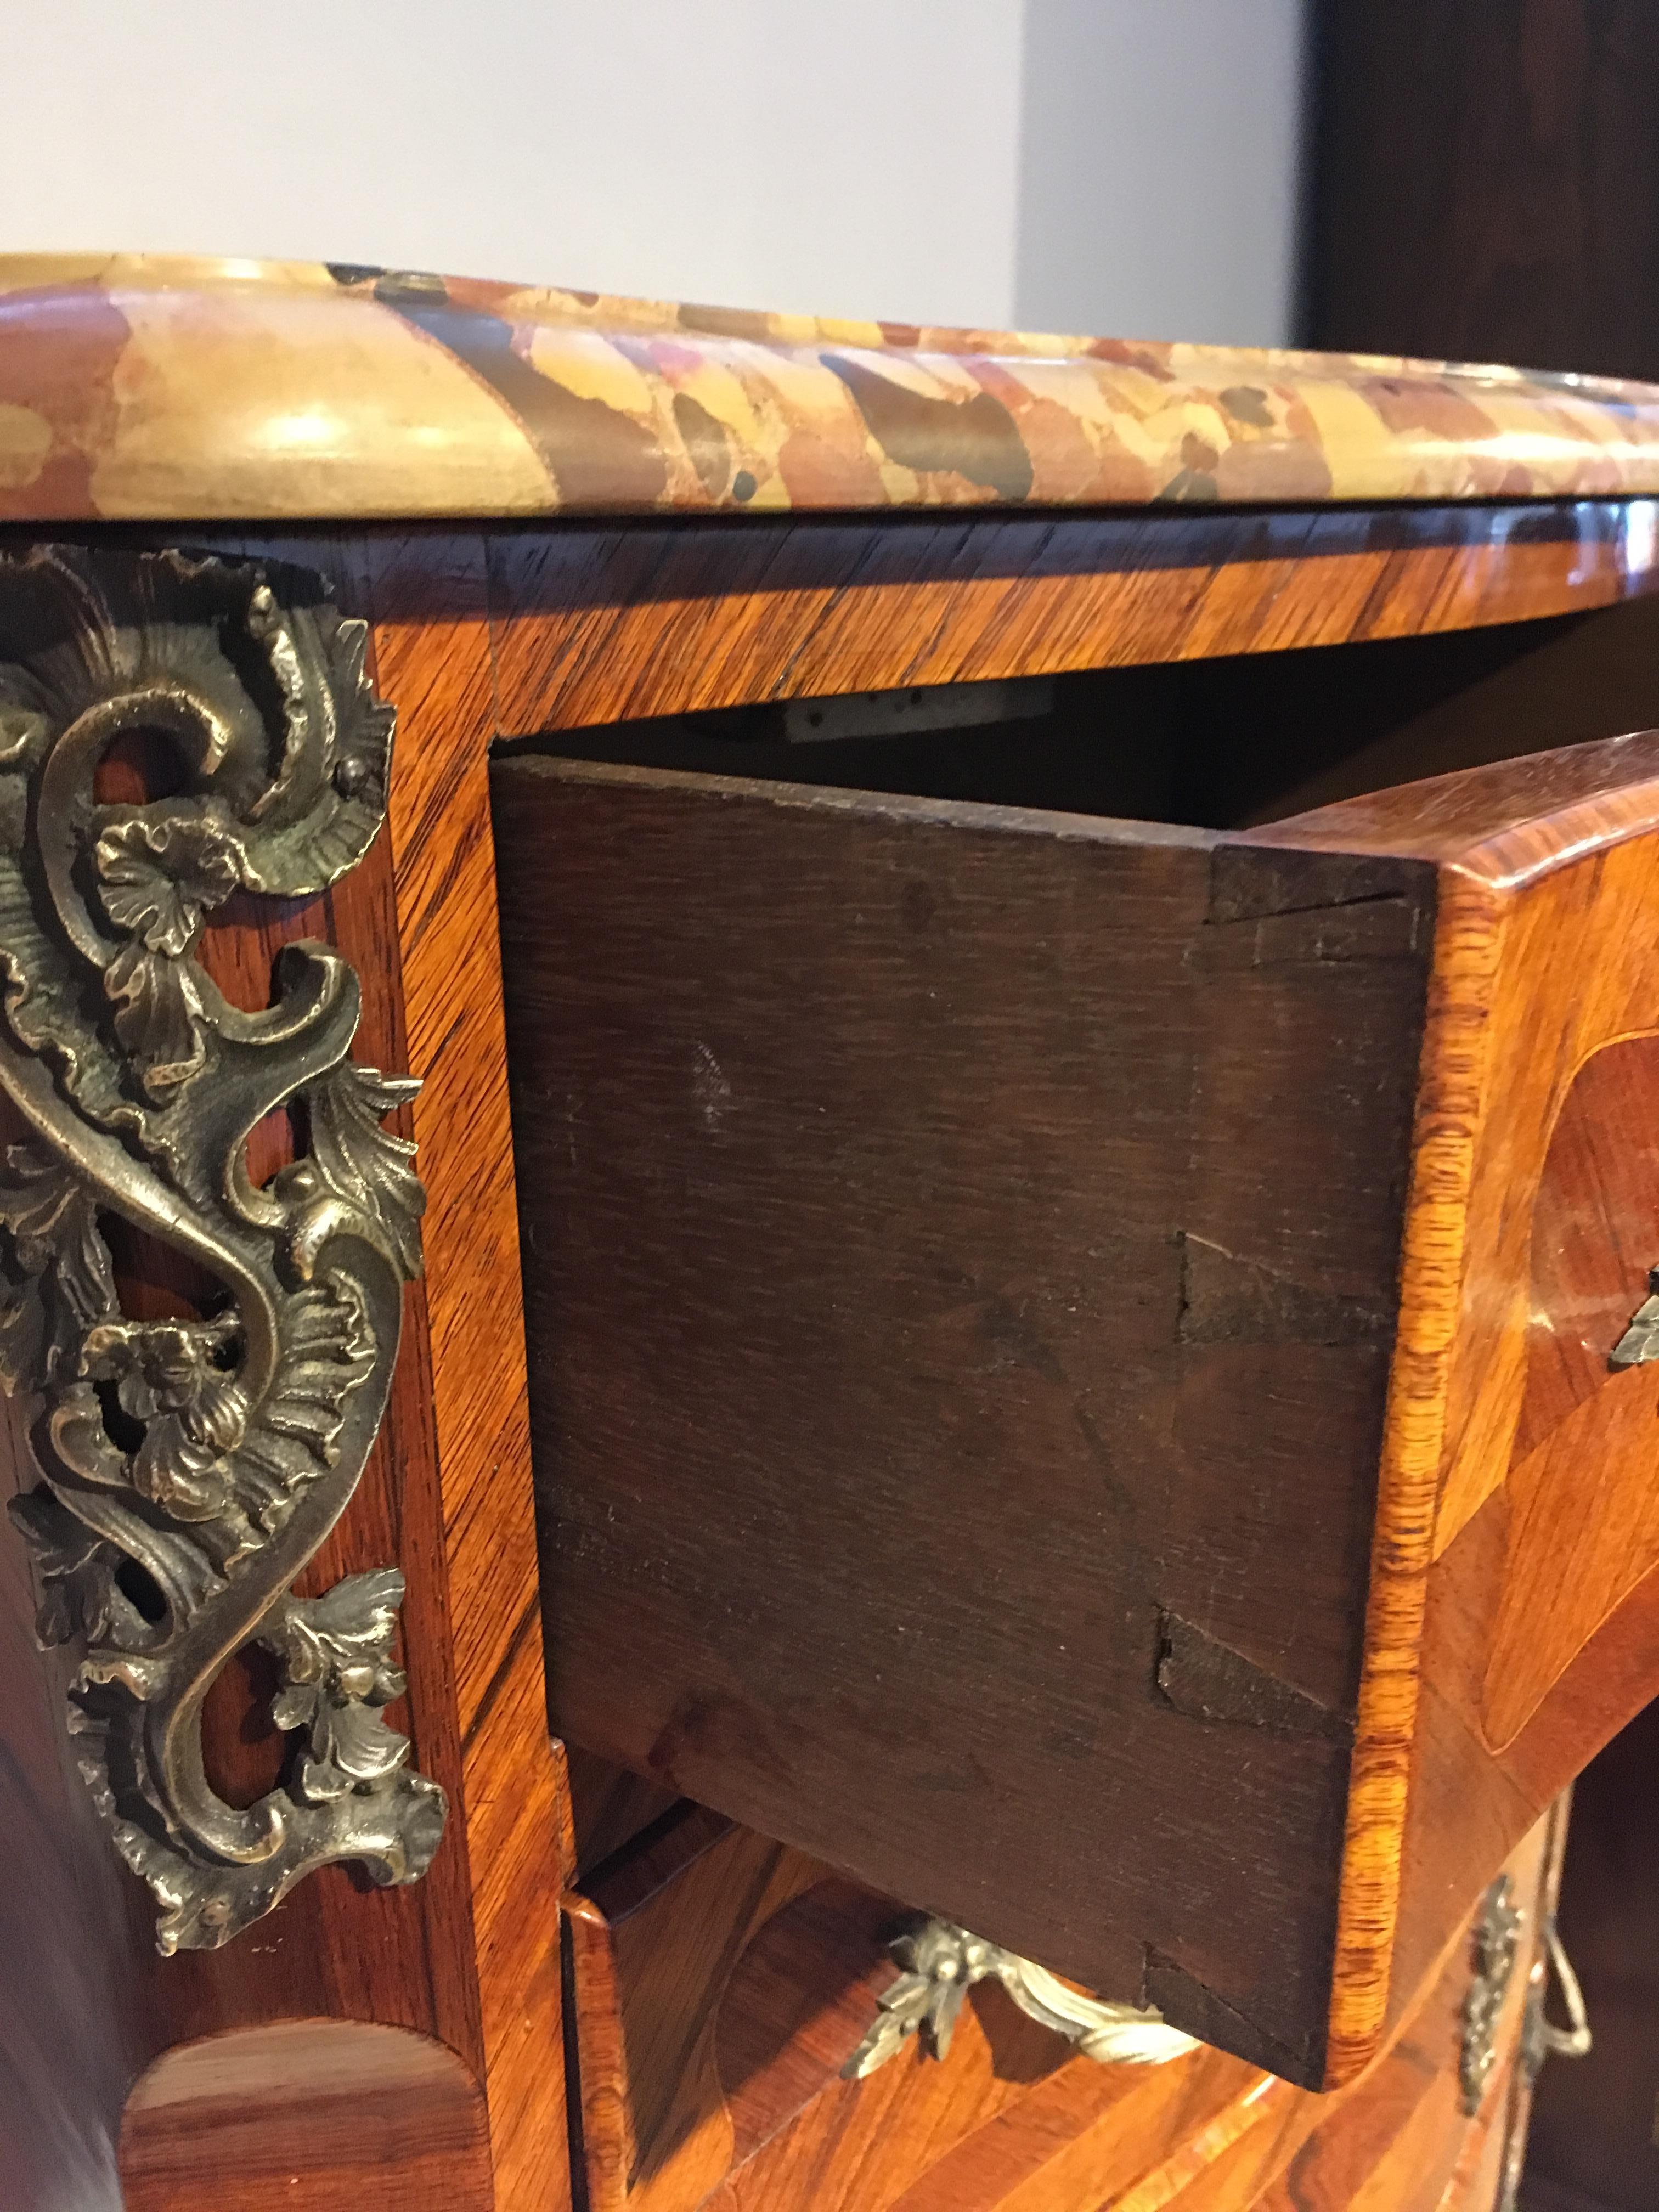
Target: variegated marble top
{"x": 149, "y": 386}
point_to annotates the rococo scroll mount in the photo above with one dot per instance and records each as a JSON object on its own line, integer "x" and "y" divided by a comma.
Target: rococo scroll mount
{"x": 943, "y": 1961}
{"x": 189, "y": 1468}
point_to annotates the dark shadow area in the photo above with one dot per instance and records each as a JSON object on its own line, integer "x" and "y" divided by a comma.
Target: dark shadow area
{"x": 1210, "y": 743}
{"x": 243, "y": 1751}
{"x": 1592, "y": 2145}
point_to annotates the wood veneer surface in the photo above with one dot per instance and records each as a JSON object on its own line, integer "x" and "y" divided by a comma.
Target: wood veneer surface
{"x": 327, "y": 2115}
{"x": 1489, "y": 1679}
{"x": 469, "y": 1955}
{"x": 597, "y": 623}
{"x": 444, "y": 610}
{"x": 720, "y": 1982}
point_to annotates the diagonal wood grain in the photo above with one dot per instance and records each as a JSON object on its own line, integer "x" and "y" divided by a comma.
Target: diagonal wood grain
{"x": 600, "y": 623}
{"x": 720, "y": 1981}
{"x": 432, "y": 646}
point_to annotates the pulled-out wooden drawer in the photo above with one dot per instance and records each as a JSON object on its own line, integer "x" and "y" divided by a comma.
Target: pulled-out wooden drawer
{"x": 1069, "y": 1359}
{"x": 721, "y": 1983}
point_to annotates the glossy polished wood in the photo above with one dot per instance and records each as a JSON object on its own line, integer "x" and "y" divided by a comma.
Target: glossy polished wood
{"x": 423, "y": 596}
{"x": 329, "y": 2115}
{"x": 604, "y": 624}
{"x": 721, "y": 1981}
{"x": 469, "y": 1956}
{"x": 473, "y": 639}
{"x": 1511, "y": 1628}
{"x": 432, "y": 647}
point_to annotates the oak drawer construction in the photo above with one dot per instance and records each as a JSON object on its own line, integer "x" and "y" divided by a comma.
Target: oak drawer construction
{"x": 1001, "y": 1287}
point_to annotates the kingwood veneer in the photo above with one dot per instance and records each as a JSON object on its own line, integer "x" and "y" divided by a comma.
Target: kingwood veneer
{"x": 769, "y": 1967}
{"x": 1277, "y": 1194}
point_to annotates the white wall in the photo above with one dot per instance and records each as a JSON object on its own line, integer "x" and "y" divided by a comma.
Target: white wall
{"x": 833, "y": 156}
{"x": 1118, "y": 165}
{"x": 1158, "y": 176}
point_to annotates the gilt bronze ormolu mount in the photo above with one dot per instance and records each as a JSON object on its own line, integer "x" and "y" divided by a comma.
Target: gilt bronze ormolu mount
{"x": 189, "y": 1468}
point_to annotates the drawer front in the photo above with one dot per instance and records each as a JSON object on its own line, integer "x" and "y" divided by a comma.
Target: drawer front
{"x": 721, "y": 1982}
{"x": 1030, "y": 1327}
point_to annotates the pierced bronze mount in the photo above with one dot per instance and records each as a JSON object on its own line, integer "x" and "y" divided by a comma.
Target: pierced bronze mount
{"x": 1495, "y": 1943}
{"x": 190, "y": 1469}
{"x": 943, "y": 1961}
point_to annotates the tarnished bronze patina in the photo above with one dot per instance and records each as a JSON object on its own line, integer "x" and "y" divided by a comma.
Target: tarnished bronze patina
{"x": 189, "y": 1468}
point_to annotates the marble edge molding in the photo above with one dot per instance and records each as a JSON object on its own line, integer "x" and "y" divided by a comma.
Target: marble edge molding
{"x": 166, "y": 388}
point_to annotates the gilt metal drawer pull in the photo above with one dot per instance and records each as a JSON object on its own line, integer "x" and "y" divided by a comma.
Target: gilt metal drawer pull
{"x": 1496, "y": 1944}
{"x": 191, "y": 1468}
{"x": 943, "y": 1961}
{"x": 1541, "y": 2038}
